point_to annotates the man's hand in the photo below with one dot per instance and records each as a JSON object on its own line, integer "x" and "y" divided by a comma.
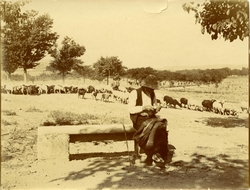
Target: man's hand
{"x": 144, "y": 114}
{"x": 148, "y": 108}
{"x": 158, "y": 109}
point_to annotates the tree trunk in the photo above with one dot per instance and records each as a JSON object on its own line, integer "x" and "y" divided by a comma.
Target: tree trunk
{"x": 8, "y": 76}
{"x": 63, "y": 77}
{"x": 25, "y": 75}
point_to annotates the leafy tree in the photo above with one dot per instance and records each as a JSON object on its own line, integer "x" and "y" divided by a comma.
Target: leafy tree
{"x": 65, "y": 59}
{"x": 9, "y": 12}
{"x": 28, "y": 40}
{"x": 244, "y": 71}
{"x": 179, "y": 76}
{"x": 226, "y": 18}
{"x": 84, "y": 71}
{"x": 109, "y": 67}
{"x": 163, "y": 75}
{"x": 139, "y": 73}
{"x": 9, "y": 65}
{"x": 50, "y": 69}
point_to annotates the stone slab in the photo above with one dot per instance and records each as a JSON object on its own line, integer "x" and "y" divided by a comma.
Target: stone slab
{"x": 53, "y": 141}
{"x": 86, "y": 129}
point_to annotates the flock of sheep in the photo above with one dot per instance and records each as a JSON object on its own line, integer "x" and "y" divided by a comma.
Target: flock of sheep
{"x": 98, "y": 92}
{"x": 107, "y": 94}
{"x": 216, "y": 106}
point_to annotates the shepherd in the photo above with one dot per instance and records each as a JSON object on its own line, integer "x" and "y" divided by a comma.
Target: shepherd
{"x": 151, "y": 130}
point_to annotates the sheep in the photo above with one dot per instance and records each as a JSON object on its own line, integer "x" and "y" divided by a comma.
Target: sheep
{"x": 194, "y": 105}
{"x": 230, "y": 109}
{"x": 184, "y": 102}
{"x": 244, "y": 106}
{"x": 218, "y": 107}
{"x": 122, "y": 89}
{"x": 105, "y": 97}
{"x": 169, "y": 100}
{"x": 208, "y": 104}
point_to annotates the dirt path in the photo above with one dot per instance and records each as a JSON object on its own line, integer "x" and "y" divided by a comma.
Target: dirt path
{"x": 211, "y": 151}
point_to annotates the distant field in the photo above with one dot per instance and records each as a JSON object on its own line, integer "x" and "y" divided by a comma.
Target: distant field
{"x": 232, "y": 89}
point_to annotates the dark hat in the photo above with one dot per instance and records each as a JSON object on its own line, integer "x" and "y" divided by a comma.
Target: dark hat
{"x": 150, "y": 81}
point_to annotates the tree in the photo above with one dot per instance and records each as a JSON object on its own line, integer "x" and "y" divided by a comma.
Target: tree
{"x": 9, "y": 12}
{"x": 28, "y": 40}
{"x": 65, "y": 59}
{"x": 9, "y": 65}
{"x": 226, "y": 18}
{"x": 109, "y": 67}
{"x": 84, "y": 70}
{"x": 140, "y": 73}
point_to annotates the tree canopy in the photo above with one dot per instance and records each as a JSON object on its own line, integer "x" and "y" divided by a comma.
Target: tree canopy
{"x": 85, "y": 71}
{"x": 224, "y": 18}
{"x": 139, "y": 73}
{"x": 27, "y": 37}
{"x": 10, "y": 12}
{"x": 65, "y": 59}
{"x": 109, "y": 67}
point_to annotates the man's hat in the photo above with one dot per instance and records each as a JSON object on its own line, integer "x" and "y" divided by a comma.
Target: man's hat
{"x": 150, "y": 81}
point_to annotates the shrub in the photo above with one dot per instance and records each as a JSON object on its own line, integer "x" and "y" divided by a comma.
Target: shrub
{"x": 5, "y": 122}
{"x": 69, "y": 118}
{"x": 33, "y": 109}
{"x": 16, "y": 143}
{"x": 9, "y": 112}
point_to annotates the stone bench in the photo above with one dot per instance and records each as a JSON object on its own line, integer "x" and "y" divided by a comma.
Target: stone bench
{"x": 53, "y": 142}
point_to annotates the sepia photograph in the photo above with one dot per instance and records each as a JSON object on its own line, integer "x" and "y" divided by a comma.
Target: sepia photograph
{"x": 122, "y": 94}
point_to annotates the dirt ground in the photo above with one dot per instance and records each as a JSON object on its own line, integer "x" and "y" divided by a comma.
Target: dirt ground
{"x": 211, "y": 151}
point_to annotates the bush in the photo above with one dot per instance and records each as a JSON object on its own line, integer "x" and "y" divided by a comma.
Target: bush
{"x": 33, "y": 109}
{"x": 69, "y": 118}
{"x": 16, "y": 143}
{"x": 5, "y": 122}
{"x": 9, "y": 112}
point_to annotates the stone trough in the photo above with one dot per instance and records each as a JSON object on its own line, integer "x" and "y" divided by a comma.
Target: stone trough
{"x": 53, "y": 142}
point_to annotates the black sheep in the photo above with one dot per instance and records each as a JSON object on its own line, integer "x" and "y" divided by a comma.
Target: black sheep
{"x": 169, "y": 100}
{"x": 81, "y": 92}
{"x": 184, "y": 101}
{"x": 208, "y": 104}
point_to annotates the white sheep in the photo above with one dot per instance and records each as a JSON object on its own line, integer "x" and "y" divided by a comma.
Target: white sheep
{"x": 244, "y": 106}
{"x": 194, "y": 104}
{"x": 231, "y": 109}
{"x": 218, "y": 107}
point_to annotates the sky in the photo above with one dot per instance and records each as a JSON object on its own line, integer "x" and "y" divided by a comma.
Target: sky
{"x": 157, "y": 34}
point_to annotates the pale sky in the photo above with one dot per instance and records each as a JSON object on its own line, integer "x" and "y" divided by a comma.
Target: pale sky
{"x": 139, "y": 38}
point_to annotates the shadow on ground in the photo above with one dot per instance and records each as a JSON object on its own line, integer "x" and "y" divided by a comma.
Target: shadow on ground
{"x": 201, "y": 172}
{"x": 228, "y": 122}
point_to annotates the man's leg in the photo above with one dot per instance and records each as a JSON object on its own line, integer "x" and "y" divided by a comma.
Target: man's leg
{"x": 149, "y": 159}
{"x": 136, "y": 148}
